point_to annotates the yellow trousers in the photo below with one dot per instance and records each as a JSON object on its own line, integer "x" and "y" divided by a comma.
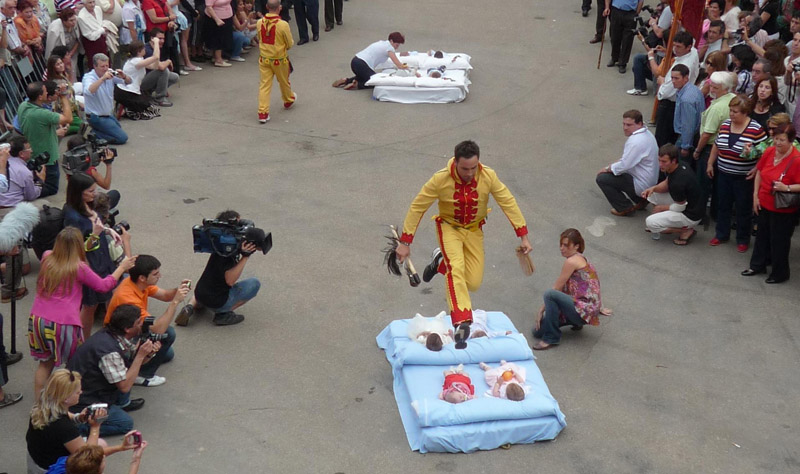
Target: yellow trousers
{"x": 462, "y": 266}
{"x": 278, "y": 68}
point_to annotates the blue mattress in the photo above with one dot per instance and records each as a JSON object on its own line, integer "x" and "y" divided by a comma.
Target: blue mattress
{"x": 433, "y": 425}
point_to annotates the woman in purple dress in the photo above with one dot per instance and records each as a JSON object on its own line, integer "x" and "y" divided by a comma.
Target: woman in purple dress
{"x": 574, "y": 299}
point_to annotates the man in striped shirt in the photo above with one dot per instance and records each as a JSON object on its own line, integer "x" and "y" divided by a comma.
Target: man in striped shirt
{"x": 689, "y": 106}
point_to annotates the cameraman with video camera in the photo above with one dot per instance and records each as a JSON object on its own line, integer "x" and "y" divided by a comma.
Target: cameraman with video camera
{"x": 218, "y": 288}
{"x": 90, "y": 156}
{"x": 40, "y": 126}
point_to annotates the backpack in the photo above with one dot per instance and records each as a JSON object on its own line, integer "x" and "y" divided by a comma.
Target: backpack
{"x": 43, "y": 236}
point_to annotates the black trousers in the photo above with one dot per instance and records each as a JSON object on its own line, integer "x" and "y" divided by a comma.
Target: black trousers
{"x": 362, "y": 72}
{"x": 665, "y": 127}
{"x": 306, "y": 10}
{"x": 618, "y": 190}
{"x": 3, "y": 356}
{"x": 333, "y": 12}
{"x": 620, "y": 29}
{"x": 600, "y": 5}
{"x": 773, "y": 241}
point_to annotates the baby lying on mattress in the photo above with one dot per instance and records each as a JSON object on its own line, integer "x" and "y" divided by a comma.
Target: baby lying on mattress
{"x": 506, "y": 381}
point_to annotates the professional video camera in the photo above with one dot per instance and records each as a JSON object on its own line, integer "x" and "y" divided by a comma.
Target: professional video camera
{"x": 643, "y": 27}
{"x": 148, "y": 334}
{"x": 35, "y": 164}
{"x": 82, "y": 157}
{"x": 225, "y": 238}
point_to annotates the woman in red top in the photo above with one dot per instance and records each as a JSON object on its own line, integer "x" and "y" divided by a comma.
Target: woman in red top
{"x": 778, "y": 170}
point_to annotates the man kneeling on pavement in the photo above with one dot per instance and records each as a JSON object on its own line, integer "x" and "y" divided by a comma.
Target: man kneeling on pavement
{"x": 218, "y": 288}
{"x": 136, "y": 290}
{"x": 109, "y": 363}
{"x": 678, "y": 200}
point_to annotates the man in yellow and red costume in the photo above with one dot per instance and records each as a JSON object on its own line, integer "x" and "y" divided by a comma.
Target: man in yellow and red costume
{"x": 462, "y": 189}
{"x": 274, "y": 42}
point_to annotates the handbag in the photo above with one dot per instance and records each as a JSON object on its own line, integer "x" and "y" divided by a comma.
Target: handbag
{"x": 785, "y": 199}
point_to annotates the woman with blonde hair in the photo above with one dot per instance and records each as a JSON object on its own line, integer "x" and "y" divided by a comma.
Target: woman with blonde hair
{"x": 53, "y": 430}
{"x": 54, "y": 327}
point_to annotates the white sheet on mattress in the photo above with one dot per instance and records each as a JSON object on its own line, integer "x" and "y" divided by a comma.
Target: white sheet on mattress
{"x": 420, "y": 90}
{"x": 423, "y": 61}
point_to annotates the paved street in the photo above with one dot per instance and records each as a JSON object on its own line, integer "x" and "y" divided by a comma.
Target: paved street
{"x": 696, "y": 371}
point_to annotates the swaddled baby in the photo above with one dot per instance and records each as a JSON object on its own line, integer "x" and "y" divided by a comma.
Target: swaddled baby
{"x": 432, "y": 332}
{"x": 457, "y": 387}
{"x": 506, "y": 381}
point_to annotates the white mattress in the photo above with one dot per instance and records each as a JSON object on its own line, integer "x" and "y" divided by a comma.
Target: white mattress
{"x": 421, "y": 90}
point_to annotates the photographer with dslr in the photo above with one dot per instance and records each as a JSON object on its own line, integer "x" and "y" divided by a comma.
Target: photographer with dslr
{"x": 137, "y": 290}
{"x": 90, "y": 155}
{"x": 109, "y": 363}
{"x": 24, "y": 183}
{"x": 40, "y": 126}
{"x": 218, "y": 288}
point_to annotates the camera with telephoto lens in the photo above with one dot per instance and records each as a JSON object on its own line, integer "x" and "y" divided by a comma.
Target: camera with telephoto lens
{"x": 88, "y": 155}
{"x": 148, "y": 334}
{"x": 643, "y": 28}
{"x": 120, "y": 226}
{"x": 36, "y": 163}
{"x": 225, "y": 238}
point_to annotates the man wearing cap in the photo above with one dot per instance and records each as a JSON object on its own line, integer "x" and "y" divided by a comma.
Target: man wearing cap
{"x": 218, "y": 288}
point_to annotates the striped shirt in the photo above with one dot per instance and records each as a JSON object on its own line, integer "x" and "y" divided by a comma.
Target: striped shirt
{"x": 730, "y": 147}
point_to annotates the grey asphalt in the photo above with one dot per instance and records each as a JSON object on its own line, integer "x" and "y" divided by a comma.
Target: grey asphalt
{"x": 696, "y": 371}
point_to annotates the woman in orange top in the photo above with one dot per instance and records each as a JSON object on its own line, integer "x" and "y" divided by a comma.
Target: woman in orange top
{"x": 28, "y": 26}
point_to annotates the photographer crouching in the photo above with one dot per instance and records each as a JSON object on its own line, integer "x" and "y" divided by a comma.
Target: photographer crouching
{"x": 231, "y": 241}
{"x": 85, "y": 155}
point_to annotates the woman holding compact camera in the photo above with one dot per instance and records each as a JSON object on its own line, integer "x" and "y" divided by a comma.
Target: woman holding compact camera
{"x": 53, "y": 430}
{"x": 79, "y": 212}
{"x": 54, "y": 327}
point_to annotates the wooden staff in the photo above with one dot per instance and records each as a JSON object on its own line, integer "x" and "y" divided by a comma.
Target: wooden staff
{"x": 676, "y": 17}
{"x": 602, "y": 41}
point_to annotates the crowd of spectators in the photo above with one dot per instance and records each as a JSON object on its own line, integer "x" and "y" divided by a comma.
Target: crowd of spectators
{"x": 726, "y": 116}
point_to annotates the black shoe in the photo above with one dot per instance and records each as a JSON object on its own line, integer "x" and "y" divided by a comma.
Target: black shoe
{"x": 315, "y": 37}
{"x": 164, "y": 102}
{"x": 328, "y": 28}
{"x": 432, "y": 268}
{"x": 13, "y": 358}
{"x": 461, "y": 335}
{"x": 622, "y": 68}
{"x": 750, "y": 272}
{"x": 585, "y": 12}
{"x": 302, "y": 42}
{"x": 612, "y": 63}
{"x": 134, "y": 405}
{"x": 772, "y": 280}
{"x": 228, "y": 319}
{"x": 596, "y": 39}
{"x": 182, "y": 319}
{"x": 339, "y": 22}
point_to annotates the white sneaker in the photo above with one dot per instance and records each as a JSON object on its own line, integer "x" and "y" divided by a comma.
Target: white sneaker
{"x": 637, "y": 92}
{"x": 153, "y": 381}
{"x": 238, "y": 59}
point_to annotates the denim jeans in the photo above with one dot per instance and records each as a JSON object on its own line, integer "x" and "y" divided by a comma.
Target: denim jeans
{"x": 52, "y": 176}
{"x": 118, "y": 421}
{"x": 240, "y": 292}
{"x": 164, "y": 355}
{"x": 641, "y": 72}
{"x": 108, "y": 128}
{"x": 555, "y": 304}
{"x": 239, "y": 40}
{"x": 734, "y": 190}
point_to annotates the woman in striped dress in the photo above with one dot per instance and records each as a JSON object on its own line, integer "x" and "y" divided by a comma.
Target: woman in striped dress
{"x": 735, "y": 173}
{"x": 54, "y": 327}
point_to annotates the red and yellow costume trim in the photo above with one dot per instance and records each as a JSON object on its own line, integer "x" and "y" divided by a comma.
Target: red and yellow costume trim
{"x": 462, "y": 214}
{"x": 274, "y": 42}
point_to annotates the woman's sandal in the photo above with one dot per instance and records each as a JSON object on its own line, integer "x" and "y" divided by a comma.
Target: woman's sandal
{"x": 541, "y": 346}
{"x": 339, "y": 82}
{"x": 682, "y": 242}
{"x": 351, "y": 86}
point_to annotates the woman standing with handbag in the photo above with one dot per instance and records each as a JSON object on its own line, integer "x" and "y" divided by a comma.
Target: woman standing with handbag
{"x": 777, "y": 173}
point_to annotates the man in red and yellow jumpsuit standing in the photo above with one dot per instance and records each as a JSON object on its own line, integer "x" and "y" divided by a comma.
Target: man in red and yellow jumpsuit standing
{"x": 462, "y": 189}
{"x": 274, "y": 42}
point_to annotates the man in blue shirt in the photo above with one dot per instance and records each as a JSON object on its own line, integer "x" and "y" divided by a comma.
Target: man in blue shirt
{"x": 621, "y": 26}
{"x": 98, "y": 94}
{"x": 689, "y": 106}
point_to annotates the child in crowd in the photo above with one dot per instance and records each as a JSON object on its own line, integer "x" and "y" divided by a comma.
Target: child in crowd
{"x": 506, "y": 381}
{"x": 433, "y": 332}
{"x": 457, "y": 387}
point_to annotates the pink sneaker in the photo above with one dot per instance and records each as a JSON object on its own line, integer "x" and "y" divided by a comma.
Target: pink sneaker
{"x": 263, "y": 118}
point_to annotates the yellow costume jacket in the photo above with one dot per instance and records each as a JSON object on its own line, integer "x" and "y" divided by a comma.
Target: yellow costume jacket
{"x": 460, "y": 204}
{"x": 274, "y": 37}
